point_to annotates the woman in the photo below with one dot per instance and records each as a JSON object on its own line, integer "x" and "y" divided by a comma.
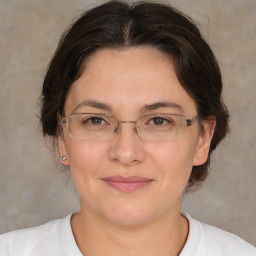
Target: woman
{"x": 133, "y": 99}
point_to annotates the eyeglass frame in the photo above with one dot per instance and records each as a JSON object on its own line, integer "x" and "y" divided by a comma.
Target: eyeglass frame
{"x": 64, "y": 120}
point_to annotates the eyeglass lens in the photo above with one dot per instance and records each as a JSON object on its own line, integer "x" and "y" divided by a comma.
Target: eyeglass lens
{"x": 98, "y": 127}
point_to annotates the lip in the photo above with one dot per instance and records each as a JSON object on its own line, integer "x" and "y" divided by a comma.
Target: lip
{"x": 127, "y": 184}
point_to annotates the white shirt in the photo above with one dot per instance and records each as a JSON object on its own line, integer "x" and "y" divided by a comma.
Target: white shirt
{"x": 56, "y": 239}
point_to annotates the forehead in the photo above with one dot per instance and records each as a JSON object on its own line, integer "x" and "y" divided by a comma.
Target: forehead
{"x": 128, "y": 79}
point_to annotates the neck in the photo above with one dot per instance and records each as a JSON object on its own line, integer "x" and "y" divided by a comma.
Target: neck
{"x": 165, "y": 236}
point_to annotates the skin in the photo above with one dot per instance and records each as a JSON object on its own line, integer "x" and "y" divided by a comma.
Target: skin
{"x": 146, "y": 221}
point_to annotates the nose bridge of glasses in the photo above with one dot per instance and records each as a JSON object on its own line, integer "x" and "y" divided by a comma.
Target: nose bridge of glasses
{"x": 117, "y": 128}
{"x": 127, "y": 122}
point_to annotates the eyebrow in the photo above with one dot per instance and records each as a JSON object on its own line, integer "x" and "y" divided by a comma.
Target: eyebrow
{"x": 93, "y": 104}
{"x": 103, "y": 106}
{"x": 162, "y": 104}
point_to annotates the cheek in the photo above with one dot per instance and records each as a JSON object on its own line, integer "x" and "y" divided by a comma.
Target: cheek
{"x": 85, "y": 161}
{"x": 172, "y": 165}
{"x": 175, "y": 159}
{"x": 84, "y": 157}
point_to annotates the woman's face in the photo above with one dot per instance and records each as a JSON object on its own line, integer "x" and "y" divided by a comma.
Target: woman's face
{"x": 126, "y": 180}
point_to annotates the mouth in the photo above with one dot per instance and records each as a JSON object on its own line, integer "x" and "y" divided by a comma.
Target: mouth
{"x": 127, "y": 184}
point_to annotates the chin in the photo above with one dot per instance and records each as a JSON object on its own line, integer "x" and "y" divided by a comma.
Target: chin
{"x": 128, "y": 215}
{"x": 127, "y": 220}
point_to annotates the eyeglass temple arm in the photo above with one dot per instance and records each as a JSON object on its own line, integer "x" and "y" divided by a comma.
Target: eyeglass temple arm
{"x": 63, "y": 120}
{"x": 190, "y": 121}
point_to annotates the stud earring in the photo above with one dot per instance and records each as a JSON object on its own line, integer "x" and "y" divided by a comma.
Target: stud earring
{"x": 64, "y": 158}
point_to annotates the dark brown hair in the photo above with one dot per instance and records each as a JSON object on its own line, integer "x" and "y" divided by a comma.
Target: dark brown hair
{"x": 117, "y": 24}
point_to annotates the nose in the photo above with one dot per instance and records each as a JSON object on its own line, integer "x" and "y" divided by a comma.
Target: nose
{"x": 127, "y": 147}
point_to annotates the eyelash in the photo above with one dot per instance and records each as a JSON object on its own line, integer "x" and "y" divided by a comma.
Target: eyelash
{"x": 100, "y": 120}
{"x": 93, "y": 117}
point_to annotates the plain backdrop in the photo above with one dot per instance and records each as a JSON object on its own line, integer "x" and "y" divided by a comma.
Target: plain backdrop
{"x": 33, "y": 191}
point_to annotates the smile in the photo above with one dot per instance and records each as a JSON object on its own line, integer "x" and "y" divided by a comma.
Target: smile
{"x": 127, "y": 184}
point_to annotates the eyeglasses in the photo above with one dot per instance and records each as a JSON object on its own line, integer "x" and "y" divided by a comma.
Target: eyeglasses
{"x": 102, "y": 127}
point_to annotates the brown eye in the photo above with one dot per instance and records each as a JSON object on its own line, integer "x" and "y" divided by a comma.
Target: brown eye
{"x": 158, "y": 120}
{"x": 95, "y": 120}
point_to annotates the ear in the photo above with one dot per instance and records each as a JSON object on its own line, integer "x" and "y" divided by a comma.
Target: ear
{"x": 204, "y": 142}
{"x": 62, "y": 150}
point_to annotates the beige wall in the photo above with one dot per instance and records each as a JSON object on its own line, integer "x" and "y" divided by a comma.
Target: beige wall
{"x": 32, "y": 192}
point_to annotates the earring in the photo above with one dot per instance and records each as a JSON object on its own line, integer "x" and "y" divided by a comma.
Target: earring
{"x": 64, "y": 158}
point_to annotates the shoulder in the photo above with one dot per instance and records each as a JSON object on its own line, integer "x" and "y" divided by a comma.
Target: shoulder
{"x": 211, "y": 241}
{"x": 226, "y": 242}
{"x": 45, "y": 238}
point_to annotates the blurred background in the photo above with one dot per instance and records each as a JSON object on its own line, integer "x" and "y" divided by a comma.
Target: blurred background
{"x": 33, "y": 190}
